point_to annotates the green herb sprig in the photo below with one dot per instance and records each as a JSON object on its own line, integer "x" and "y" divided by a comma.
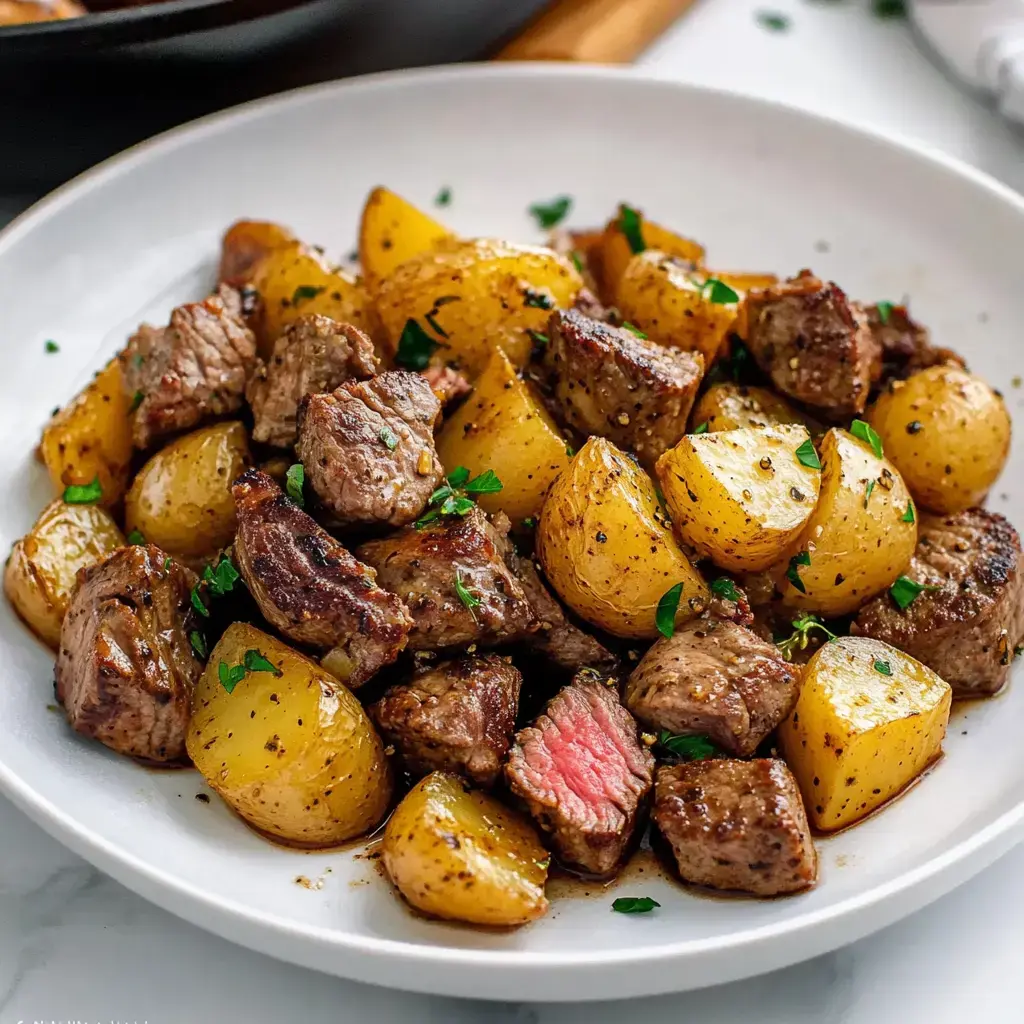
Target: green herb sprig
{"x": 634, "y": 905}
{"x": 550, "y": 214}
{"x": 453, "y": 497}
{"x": 800, "y": 637}
{"x": 253, "y": 661}
{"x": 665, "y": 616}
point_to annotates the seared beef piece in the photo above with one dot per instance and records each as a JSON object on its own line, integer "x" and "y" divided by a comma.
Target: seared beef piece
{"x": 423, "y": 567}
{"x": 905, "y": 344}
{"x": 583, "y": 774}
{"x": 717, "y": 679}
{"x": 368, "y": 448}
{"x": 449, "y": 386}
{"x": 814, "y": 343}
{"x": 314, "y": 354}
{"x": 457, "y": 716}
{"x": 737, "y": 825}
{"x": 610, "y": 382}
{"x": 966, "y": 630}
{"x": 310, "y": 587}
{"x": 190, "y": 370}
{"x": 737, "y": 611}
{"x": 125, "y": 667}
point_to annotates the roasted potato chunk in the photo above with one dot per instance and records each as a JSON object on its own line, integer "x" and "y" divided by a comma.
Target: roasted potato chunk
{"x": 41, "y": 569}
{"x": 729, "y": 406}
{"x": 456, "y": 853}
{"x": 860, "y": 537}
{"x": 503, "y": 426}
{"x": 607, "y": 548}
{"x": 673, "y": 304}
{"x": 740, "y": 497}
{"x": 743, "y": 283}
{"x": 480, "y": 294}
{"x": 91, "y": 437}
{"x": 947, "y": 432}
{"x": 868, "y": 721}
{"x": 244, "y": 246}
{"x": 392, "y": 231}
{"x": 181, "y": 498}
{"x": 286, "y": 745}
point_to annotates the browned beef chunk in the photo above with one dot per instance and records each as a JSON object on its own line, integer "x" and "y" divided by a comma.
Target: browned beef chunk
{"x": 315, "y": 354}
{"x": 583, "y": 774}
{"x": 453, "y": 576}
{"x": 608, "y": 381}
{"x": 905, "y": 345}
{"x": 713, "y": 678}
{"x": 449, "y": 386}
{"x": 125, "y": 667}
{"x": 194, "y": 368}
{"x": 967, "y": 629}
{"x": 310, "y": 587}
{"x": 368, "y": 448}
{"x": 816, "y": 346}
{"x": 457, "y": 716}
{"x": 737, "y": 825}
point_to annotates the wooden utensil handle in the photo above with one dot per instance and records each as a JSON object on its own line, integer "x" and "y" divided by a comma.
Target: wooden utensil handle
{"x": 595, "y": 31}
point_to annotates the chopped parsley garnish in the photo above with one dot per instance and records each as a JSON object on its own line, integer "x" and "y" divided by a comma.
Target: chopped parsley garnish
{"x": 793, "y": 572}
{"x": 665, "y": 616}
{"x": 486, "y": 483}
{"x": 867, "y": 492}
{"x": 304, "y": 292}
{"x": 634, "y": 905}
{"x": 230, "y": 675}
{"x": 457, "y": 477}
{"x": 294, "y": 481}
{"x": 908, "y": 516}
{"x": 83, "y": 494}
{"x": 724, "y": 587}
{"x": 807, "y": 456}
{"x": 198, "y": 642}
{"x": 569, "y": 451}
{"x": 135, "y": 537}
{"x": 690, "y": 748}
{"x": 136, "y": 401}
{"x": 884, "y": 310}
{"x": 906, "y": 591}
{"x": 530, "y": 523}
{"x": 718, "y": 292}
{"x": 451, "y": 498}
{"x": 469, "y": 599}
{"x": 800, "y": 636}
{"x": 50, "y": 346}
{"x": 866, "y": 433}
{"x": 253, "y": 661}
{"x": 633, "y": 329}
{"x": 198, "y": 603}
{"x": 630, "y": 225}
{"x": 538, "y": 337}
{"x": 547, "y": 215}
{"x": 167, "y": 563}
{"x": 577, "y": 261}
{"x": 883, "y": 667}
{"x": 701, "y": 428}
{"x": 538, "y": 300}
{"x": 443, "y": 197}
{"x": 388, "y": 438}
{"x": 222, "y": 579}
{"x": 415, "y": 347}
{"x": 773, "y": 21}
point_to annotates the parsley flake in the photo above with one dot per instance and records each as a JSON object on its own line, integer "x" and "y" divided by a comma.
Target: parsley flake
{"x": 486, "y": 483}
{"x": 577, "y": 261}
{"x": 222, "y": 579}
{"x": 793, "y": 572}
{"x": 633, "y": 329}
{"x": 906, "y": 591}
{"x": 867, "y": 492}
{"x": 256, "y": 661}
{"x": 135, "y": 537}
{"x": 198, "y": 603}
{"x": 50, "y": 346}
{"x": 538, "y": 300}
{"x": 634, "y": 905}
{"x": 773, "y": 21}
{"x": 136, "y": 401}
{"x": 884, "y": 311}
{"x": 530, "y": 523}
{"x": 469, "y": 599}
{"x": 690, "y": 748}
{"x": 866, "y": 433}
{"x": 701, "y": 428}
{"x": 451, "y": 499}
{"x": 294, "y": 481}
{"x": 908, "y": 516}
{"x": 665, "y": 616}
{"x": 198, "y": 642}
{"x": 883, "y": 667}
{"x": 538, "y": 337}
{"x": 630, "y": 225}
{"x": 547, "y": 215}
{"x": 252, "y": 661}
{"x": 230, "y": 675}
{"x": 388, "y": 438}
{"x": 807, "y": 456}
{"x": 458, "y": 476}
{"x": 570, "y": 452}
{"x": 415, "y": 347}
{"x": 167, "y": 563}
{"x": 800, "y": 637}
{"x": 718, "y": 293}
{"x": 725, "y": 588}
{"x": 443, "y": 197}
{"x": 83, "y": 494}
{"x": 305, "y": 292}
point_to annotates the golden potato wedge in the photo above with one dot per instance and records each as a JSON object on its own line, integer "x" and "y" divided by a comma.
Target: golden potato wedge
{"x": 615, "y": 251}
{"x": 91, "y": 437}
{"x": 607, "y": 548}
{"x": 673, "y": 304}
{"x": 504, "y": 426}
{"x": 40, "y": 572}
{"x": 860, "y": 537}
{"x": 181, "y": 498}
{"x": 289, "y": 748}
{"x": 743, "y": 283}
{"x": 294, "y": 281}
{"x": 868, "y": 721}
{"x": 392, "y": 231}
{"x": 947, "y": 432}
{"x": 740, "y": 497}
{"x": 245, "y": 244}
{"x": 456, "y": 853}
{"x": 730, "y": 406}
{"x": 478, "y": 295}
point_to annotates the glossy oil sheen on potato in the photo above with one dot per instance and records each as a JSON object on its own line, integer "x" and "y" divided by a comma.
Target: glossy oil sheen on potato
{"x": 730, "y": 406}
{"x": 947, "y": 432}
{"x": 607, "y": 548}
{"x": 858, "y": 539}
{"x": 868, "y": 721}
{"x": 504, "y": 426}
{"x": 740, "y": 497}
{"x": 181, "y": 498}
{"x": 40, "y": 572}
{"x": 293, "y": 753}
{"x": 457, "y": 853}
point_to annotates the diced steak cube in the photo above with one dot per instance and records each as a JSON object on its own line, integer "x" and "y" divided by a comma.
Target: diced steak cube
{"x": 583, "y": 774}
{"x": 449, "y": 386}
{"x": 125, "y": 667}
{"x": 368, "y": 448}
{"x": 906, "y": 346}
{"x": 968, "y": 628}
{"x": 457, "y": 716}
{"x": 736, "y": 825}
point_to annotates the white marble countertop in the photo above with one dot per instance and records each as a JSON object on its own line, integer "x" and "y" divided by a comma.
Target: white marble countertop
{"x": 75, "y": 946}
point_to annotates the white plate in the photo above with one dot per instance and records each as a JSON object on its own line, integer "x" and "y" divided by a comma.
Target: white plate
{"x": 766, "y": 188}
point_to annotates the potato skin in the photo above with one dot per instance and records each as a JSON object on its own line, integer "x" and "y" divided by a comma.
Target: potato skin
{"x": 947, "y": 432}
{"x": 457, "y": 853}
{"x": 294, "y": 754}
{"x": 503, "y": 426}
{"x": 606, "y": 547}
{"x": 392, "y": 231}
{"x": 858, "y": 543}
{"x": 244, "y": 246}
{"x": 740, "y": 497}
{"x": 40, "y": 572}
{"x": 181, "y": 498}
{"x": 730, "y": 406}
{"x": 92, "y": 437}
{"x": 858, "y": 735}
{"x": 500, "y": 290}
